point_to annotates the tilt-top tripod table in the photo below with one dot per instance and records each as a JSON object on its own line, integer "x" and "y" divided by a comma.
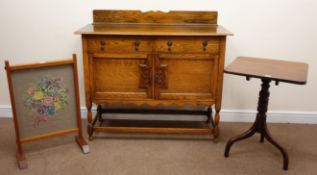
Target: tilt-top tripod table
{"x": 267, "y": 70}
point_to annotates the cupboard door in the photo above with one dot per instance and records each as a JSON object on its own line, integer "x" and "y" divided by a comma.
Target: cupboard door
{"x": 117, "y": 76}
{"x": 186, "y": 76}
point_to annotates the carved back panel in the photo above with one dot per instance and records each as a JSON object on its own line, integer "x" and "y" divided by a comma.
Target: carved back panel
{"x": 171, "y": 17}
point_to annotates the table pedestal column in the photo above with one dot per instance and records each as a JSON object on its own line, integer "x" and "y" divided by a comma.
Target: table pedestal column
{"x": 260, "y": 125}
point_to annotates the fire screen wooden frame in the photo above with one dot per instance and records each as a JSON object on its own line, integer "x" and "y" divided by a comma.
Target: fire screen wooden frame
{"x": 45, "y": 102}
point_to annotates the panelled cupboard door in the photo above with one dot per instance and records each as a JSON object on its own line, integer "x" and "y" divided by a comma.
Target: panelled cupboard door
{"x": 186, "y": 76}
{"x": 117, "y": 76}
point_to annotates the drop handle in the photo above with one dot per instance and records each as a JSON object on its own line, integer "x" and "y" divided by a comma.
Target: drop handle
{"x": 205, "y": 44}
{"x": 169, "y": 45}
{"x": 136, "y": 45}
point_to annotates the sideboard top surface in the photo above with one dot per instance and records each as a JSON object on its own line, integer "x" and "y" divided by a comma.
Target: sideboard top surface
{"x": 153, "y": 30}
{"x": 154, "y": 23}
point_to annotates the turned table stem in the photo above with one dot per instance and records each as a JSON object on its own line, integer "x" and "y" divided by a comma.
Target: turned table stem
{"x": 260, "y": 125}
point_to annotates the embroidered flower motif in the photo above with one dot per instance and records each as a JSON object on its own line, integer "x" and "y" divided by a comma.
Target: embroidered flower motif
{"x": 31, "y": 90}
{"x": 46, "y": 99}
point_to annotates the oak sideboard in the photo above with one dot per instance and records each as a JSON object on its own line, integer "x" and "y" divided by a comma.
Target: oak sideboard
{"x": 154, "y": 58}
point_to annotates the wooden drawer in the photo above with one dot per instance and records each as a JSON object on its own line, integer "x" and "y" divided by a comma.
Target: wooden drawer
{"x": 187, "y": 45}
{"x": 118, "y": 44}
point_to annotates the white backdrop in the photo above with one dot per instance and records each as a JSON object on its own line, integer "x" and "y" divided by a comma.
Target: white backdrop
{"x": 40, "y": 30}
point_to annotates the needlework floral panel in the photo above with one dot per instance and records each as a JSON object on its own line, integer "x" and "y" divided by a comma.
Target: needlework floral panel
{"x": 45, "y": 100}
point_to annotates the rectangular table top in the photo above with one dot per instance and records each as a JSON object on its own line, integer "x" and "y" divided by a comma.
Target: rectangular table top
{"x": 277, "y": 70}
{"x": 153, "y": 30}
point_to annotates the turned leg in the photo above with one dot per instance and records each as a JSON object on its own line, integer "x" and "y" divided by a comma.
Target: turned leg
{"x": 89, "y": 114}
{"x": 209, "y": 114}
{"x": 89, "y": 117}
{"x": 90, "y": 130}
{"x": 216, "y": 122}
{"x": 212, "y": 124}
{"x": 99, "y": 113}
{"x": 210, "y": 118}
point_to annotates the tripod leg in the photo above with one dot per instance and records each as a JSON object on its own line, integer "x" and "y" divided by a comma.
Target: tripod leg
{"x": 273, "y": 142}
{"x": 244, "y": 135}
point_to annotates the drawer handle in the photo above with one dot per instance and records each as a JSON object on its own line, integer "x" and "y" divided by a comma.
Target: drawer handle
{"x": 102, "y": 45}
{"x": 205, "y": 44}
{"x": 136, "y": 45}
{"x": 169, "y": 45}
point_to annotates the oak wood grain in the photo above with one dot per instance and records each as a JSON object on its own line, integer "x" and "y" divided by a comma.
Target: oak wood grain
{"x": 187, "y": 44}
{"x": 188, "y": 77}
{"x": 155, "y": 130}
{"x": 153, "y": 103}
{"x": 106, "y": 44}
{"x": 171, "y": 17}
{"x": 153, "y": 58}
{"x": 153, "y": 30}
{"x": 119, "y": 76}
